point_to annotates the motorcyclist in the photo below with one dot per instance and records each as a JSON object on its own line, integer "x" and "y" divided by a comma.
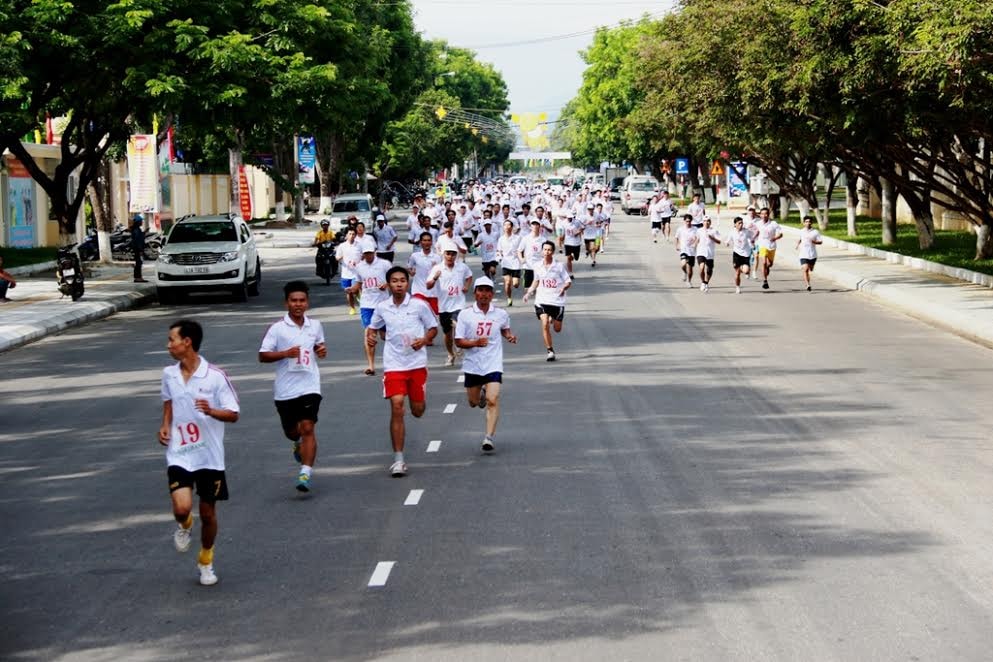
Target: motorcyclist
{"x": 324, "y": 234}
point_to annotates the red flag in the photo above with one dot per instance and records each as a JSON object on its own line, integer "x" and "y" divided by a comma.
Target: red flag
{"x": 172, "y": 146}
{"x": 49, "y": 133}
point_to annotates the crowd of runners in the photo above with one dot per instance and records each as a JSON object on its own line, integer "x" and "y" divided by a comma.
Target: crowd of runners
{"x": 494, "y": 244}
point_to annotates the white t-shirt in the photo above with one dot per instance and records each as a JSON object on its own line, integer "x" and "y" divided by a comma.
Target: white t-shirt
{"x": 508, "y": 251}
{"x": 384, "y": 237}
{"x": 413, "y": 227}
{"x": 474, "y": 323}
{"x": 488, "y": 244}
{"x": 574, "y": 232}
{"x": 591, "y": 226}
{"x": 531, "y": 248}
{"x": 373, "y": 277}
{"x": 550, "y": 279}
{"x": 741, "y": 242}
{"x": 348, "y": 255}
{"x": 420, "y": 265}
{"x": 448, "y": 286}
{"x": 453, "y": 243}
{"x": 196, "y": 441}
{"x": 767, "y": 234}
{"x": 653, "y": 212}
{"x": 664, "y": 208}
{"x": 697, "y": 210}
{"x": 295, "y": 376}
{"x": 808, "y": 249}
{"x": 707, "y": 240}
{"x": 366, "y": 241}
{"x": 404, "y": 323}
{"x": 686, "y": 240}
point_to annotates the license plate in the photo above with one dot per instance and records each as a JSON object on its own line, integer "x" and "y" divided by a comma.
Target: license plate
{"x": 68, "y": 272}
{"x": 196, "y": 270}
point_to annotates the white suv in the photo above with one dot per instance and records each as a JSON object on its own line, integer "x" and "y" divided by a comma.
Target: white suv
{"x": 208, "y": 253}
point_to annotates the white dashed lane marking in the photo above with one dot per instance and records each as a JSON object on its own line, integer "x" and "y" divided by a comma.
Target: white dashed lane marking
{"x": 413, "y": 498}
{"x": 381, "y": 573}
{"x": 434, "y": 445}
{"x": 449, "y": 408}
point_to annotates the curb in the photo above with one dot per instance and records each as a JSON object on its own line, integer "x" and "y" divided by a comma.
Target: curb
{"x": 31, "y": 269}
{"x": 917, "y": 263}
{"x": 29, "y": 332}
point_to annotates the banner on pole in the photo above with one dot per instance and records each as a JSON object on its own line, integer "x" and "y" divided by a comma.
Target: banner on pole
{"x": 244, "y": 194}
{"x": 143, "y": 174}
{"x": 307, "y": 159}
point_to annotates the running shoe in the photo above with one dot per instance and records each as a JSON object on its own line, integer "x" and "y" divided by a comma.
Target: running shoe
{"x": 808, "y": 288}
{"x": 458, "y": 352}
{"x": 551, "y": 355}
{"x": 296, "y": 452}
{"x": 703, "y": 287}
{"x": 765, "y": 285}
{"x": 487, "y": 446}
{"x": 594, "y": 264}
{"x": 181, "y": 538}
{"x": 398, "y": 469}
{"x": 351, "y": 311}
{"x": 737, "y": 290}
{"x": 510, "y": 302}
{"x": 450, "y": 361}
{"x": 689, "y": 284}
{"x": 207, "y": 576}
{"x": 482, "y": 398}
{"x": 706, "y": 287}
{"x": 303, "y": 483}
{"x": 655, "y": 241}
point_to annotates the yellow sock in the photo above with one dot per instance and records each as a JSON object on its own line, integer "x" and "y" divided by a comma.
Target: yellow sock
{"x": 206, "y": 556}
{"x": 188, "y": 523}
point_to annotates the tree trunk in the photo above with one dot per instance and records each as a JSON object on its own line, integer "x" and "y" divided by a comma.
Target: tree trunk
{"x": 984, "y": 241}
{"x": 784, "y": 207}
{"x": 888, "y": 197}
{"x": 101, "y": 202}
{"x": 851, "y": 202}
{"x": 920, "y": 207}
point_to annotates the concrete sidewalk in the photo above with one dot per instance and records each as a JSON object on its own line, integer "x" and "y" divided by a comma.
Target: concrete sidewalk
{"x": 37, "y": 309}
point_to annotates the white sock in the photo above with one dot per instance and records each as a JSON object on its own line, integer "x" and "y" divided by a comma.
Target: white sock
{"x": 398, "y": 457}
{"x": 305, "y": 470}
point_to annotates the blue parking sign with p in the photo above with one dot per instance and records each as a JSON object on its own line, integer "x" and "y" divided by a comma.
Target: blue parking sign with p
{"x": 682, "y": 166}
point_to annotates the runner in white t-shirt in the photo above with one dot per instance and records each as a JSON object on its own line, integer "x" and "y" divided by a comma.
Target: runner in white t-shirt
{"x": 509, "y": 254}
{"x": 664, "y": 210}
{"x": 348, "y": 253}
{"x": 408, "y": 326}
{"x": 573, "y": 240}
{"x": 486, "y": 242}
{"x": 451, "y": 280}
{"x": 551, "y": 281}
{"x": 197, "y": 400}
{"x": 810, "y": 239}
{"x": 706, "y": 248}
{"x": 478, "y": 332}
{"x": 419, "y": 265}
{"x": 697, "y": 210}
{"x": 370, "y": 279}
{"x": 741, "y": 245}
{"x": 769, "y": 233}
{"x": 591, "y": 232}
{"x": 686, "y": 241}
{"x": 293, "y": 344}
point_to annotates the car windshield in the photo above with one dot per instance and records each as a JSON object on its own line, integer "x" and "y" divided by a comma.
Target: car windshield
{"x": 350, "y": 205}
{"x": 642, "y": 186}
{"x": 188, "y": 233}
{"x": 555, "y": 181}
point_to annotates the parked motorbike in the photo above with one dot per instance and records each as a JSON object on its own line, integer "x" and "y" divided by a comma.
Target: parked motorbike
{"x": 327, "y": 264}
{"x": 69, "y": 272}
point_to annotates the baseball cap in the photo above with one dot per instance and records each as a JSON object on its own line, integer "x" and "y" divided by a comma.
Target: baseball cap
{"x": 483, "y": 281}
{"x": 590, "y": 206}
{"x": 535, "y": 221}
{"x": 380, "y": 217}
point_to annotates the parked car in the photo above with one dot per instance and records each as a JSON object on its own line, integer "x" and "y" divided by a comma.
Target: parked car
{"x": 359, "y": 205}
{"x": 208, "y": 253}
{"x": 638, "y": 189}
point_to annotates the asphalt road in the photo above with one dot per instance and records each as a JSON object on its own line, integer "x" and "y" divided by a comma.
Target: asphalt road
{"x": 770, "y": 476}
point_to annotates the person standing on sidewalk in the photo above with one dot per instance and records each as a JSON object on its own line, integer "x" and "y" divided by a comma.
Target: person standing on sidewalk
{"x": 292, "y": 344}
{"x": 6, "y": 281}
{"x": 197, "y": 400}
{"x": 478, "y": 332}
{"x": 408, "y": 326}
{"x": 810, "y": 239}
{"x": 138, "y": 247}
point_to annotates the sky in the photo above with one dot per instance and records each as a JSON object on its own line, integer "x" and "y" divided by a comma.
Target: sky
{"x": 541, "y": 76}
